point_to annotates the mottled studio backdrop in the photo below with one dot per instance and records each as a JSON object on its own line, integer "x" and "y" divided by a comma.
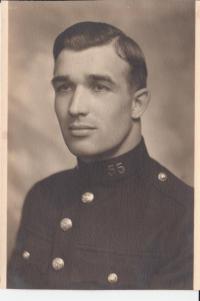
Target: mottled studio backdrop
{"x": 164, "y": 30}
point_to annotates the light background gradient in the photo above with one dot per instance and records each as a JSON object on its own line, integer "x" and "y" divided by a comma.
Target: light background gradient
{"x": 165, "y": 32}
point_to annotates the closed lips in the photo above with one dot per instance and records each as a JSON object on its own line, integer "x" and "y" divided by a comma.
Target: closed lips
{"x": 81, "y": 127}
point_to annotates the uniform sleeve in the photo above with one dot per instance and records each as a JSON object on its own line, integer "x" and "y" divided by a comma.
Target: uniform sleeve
{"x": 26, "y": 268}
{"x": 177, "y": 272}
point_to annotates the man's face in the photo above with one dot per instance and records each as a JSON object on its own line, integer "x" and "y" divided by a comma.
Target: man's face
{"x": 93, "y": 102}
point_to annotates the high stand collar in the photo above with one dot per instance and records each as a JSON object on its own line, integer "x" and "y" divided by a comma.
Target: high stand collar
{"x": 114, "y": 169}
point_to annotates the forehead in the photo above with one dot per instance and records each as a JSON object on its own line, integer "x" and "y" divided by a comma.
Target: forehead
{"x": 94, "y": 60}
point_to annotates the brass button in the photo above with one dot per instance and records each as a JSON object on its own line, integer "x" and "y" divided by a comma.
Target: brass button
{"x": 87, "y": 197}
{"x": 58, "y": 263}
{"x": 66, "y": 224}
{"x": 162, "y": 177}
{"x": 112, "y": 278}
{"x": 26, "y": 255}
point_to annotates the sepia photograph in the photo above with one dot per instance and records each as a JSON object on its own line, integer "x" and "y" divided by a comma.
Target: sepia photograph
{"x": 101, "y": 145}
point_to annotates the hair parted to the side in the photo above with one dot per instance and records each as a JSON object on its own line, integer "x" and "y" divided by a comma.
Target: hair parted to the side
{"x": 84, "y": 35}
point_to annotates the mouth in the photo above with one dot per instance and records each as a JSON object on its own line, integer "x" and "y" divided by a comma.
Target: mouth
{"x": 81, "y": 130}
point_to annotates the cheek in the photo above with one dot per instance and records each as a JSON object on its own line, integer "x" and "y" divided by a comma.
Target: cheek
{"x": 61, "y": 108}
{"x": 115, "y": 125}
{"x": 118, "y": 111}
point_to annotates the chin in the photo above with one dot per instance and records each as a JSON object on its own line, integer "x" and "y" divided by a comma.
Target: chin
{"x": 92, "y": 153}
{"x": 83, "y": 151}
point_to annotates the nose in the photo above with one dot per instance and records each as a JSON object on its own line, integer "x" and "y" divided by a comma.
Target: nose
{"x": 78, "y": 102}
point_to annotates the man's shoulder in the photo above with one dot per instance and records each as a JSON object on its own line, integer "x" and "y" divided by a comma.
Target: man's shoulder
{"x": 58, "y": 178}
{"x": 168, "y": 184}
{"x": 51, "y": 189}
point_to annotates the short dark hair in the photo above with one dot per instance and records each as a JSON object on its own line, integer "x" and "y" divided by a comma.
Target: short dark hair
{"x": 84, "y": 35}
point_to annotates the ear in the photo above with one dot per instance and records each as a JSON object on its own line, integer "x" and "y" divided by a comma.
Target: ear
{"x": 140, "y": 102}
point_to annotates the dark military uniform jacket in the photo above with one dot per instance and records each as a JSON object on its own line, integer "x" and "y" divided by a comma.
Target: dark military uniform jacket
{"x": 125, "y": 223}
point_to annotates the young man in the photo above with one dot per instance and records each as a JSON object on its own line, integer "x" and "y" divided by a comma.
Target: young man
{"x": 119, "y": 220}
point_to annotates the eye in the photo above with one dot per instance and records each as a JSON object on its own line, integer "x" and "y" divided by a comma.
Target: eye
{"x": 98, "y": 87}
{"x": 63, "y": 88}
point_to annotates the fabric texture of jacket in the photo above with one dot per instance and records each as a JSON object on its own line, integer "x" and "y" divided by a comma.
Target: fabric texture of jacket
{"x": 124, "y": 223}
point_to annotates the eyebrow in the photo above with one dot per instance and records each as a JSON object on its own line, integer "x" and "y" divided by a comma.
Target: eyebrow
{"x": 99, "y": 77}
{"x": 90, "y": 78}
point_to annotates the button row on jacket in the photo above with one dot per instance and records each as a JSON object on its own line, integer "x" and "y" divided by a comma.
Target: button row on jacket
{"x": 112, "y": 278}
{"x": 26, "y": 255}
{"x": 66, "y": 224}
{"x": 87, "y": 197}
{"x": 58, "y": 263}
{"x": 162, "y": 176}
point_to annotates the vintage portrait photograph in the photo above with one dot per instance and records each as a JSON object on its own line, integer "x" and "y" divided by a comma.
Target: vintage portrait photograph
{"x": 101, "y": 145}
